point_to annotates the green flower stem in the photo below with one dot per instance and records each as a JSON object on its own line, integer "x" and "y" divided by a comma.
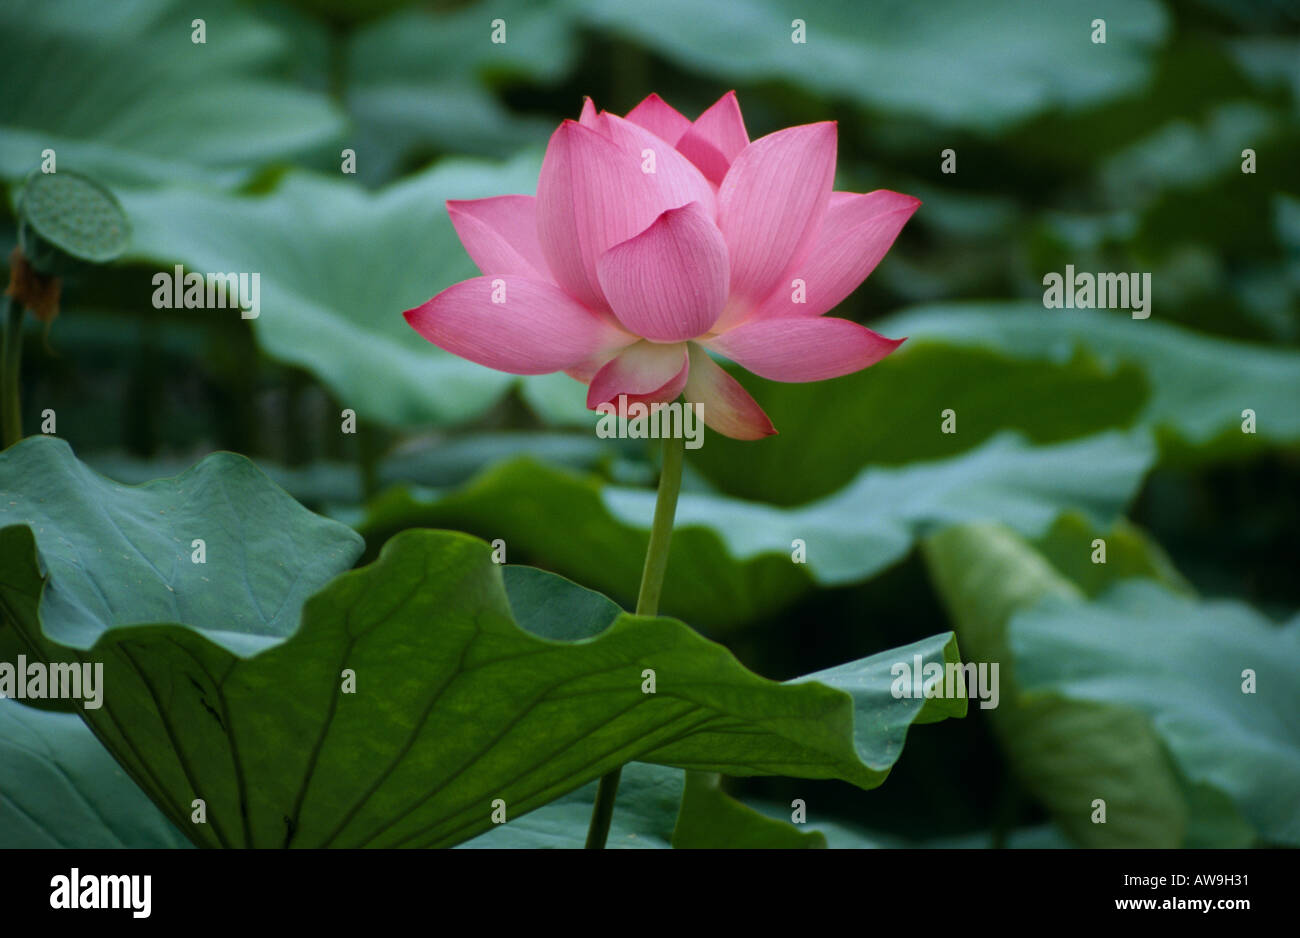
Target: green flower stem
{"x": 647, "y": 604}
{"x": 11, "y": 414}
{"x": 661, "y": 529}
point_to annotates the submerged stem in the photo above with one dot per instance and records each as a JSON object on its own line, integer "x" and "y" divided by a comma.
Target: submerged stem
{"x": 647, "y": 604}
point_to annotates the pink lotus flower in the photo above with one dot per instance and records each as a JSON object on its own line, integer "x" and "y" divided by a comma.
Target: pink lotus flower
{"x": 653, "y": 239}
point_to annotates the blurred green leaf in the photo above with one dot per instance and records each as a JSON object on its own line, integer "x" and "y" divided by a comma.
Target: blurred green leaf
{"x": 1273, "y": 61}
{"x": 1065, "y": 754}
{"x": 950, "y": 62}
{"x": 1286, "y": 219}
{"x": 1199, "y": 384}
{"x": 120, "y": 91}
{"x": 1191, "y": 76}
{"x": 656, "y": 809}
{"x": 731, "y": 559}
{"x": 893, "y": 414}
{"x": 350, "y": 11}
{"x": 338, "y": 266}
{"x": 1181, "y": 155}
{"x": 1130, "y": 552}
{"x": 434, "y": 462}
{"x": 648, "y": 800}
{"x": 1183, "y": 663}
{"x": 711, "y": 819}
{"x": 419, "y": 82}
{"x": 1134, "y": 698}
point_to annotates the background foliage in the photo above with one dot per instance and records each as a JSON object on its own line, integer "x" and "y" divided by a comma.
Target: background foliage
{"x": 1119, "y": 681}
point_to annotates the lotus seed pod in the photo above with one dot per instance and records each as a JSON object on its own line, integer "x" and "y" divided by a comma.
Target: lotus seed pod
{"x": 66, "y": 220}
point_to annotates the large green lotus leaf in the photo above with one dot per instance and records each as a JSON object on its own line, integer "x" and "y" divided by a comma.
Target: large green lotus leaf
{"x": 460, "y": 703}
{"x": 419, "y": 82}
{"x": 1069, "y": 749}
{"x": 97, "y": 557}
{"x": 1199, "y": 384}
{"x": 975, "y": 66}
{"x": 121, "y": 91}
{"x": 119, "y": 555}
{"x": 894, "y": 413}
{"x": 1183, "y": 663}
{"x": 731, "y": 560}
{"x": 335, "y": 306}
{"x": 60, "y": 788}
